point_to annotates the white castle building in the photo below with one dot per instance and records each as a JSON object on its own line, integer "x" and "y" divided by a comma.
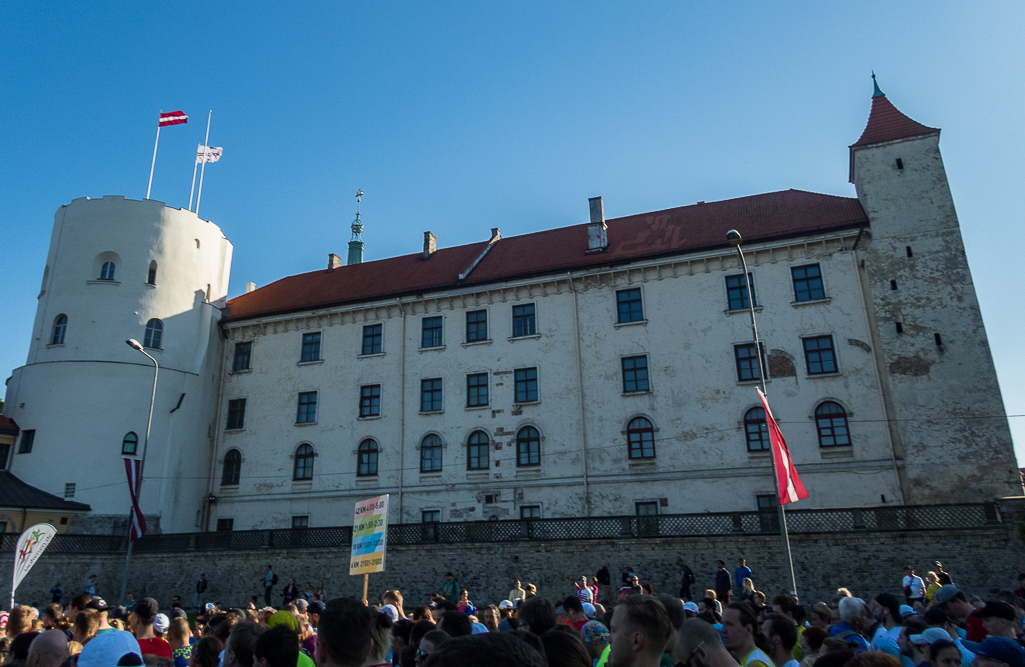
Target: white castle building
{"x": 605, "y": 368}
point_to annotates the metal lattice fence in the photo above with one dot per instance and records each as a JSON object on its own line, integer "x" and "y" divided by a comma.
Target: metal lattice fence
{"x": 799, "y": 522}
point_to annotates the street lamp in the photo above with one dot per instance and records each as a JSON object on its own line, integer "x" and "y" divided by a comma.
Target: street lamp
{"x": 734, "y": 238}
{"x": 136, "y": 345}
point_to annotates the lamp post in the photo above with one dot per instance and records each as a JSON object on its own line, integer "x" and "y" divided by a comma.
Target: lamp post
{"x": 136, "y": 345}
{"x": 734, "y": 238}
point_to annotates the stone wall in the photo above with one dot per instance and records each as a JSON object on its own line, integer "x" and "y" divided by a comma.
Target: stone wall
{"x": 866, "y": 562}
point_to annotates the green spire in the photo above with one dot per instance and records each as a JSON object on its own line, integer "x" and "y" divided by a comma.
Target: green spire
{"x": 877, "y": 92}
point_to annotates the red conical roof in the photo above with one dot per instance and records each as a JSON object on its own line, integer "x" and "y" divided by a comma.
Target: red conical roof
{"x": 887, "y": 123}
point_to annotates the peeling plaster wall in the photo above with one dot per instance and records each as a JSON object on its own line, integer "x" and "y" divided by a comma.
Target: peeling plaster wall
{"x": 950, "y": 433}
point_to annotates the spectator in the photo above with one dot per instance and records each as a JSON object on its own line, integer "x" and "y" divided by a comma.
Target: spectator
{"x": 639, "y": 632}
{"x": 741, "y": 573}
{"x": 517, "y": 592}
{"x": 914, "y": 587}
{"x": 604, "y": 578}
{"x": 723, "y": 588}
{"x": 942, "y": 575}
{"x": 781, "y": 636}
{"x": 48, "y": 649}
{"x": 428, "y": 644}
{"x": 852, "y": 623}
{"x": 739, "y": 634}
{"x": 451, "y": 588}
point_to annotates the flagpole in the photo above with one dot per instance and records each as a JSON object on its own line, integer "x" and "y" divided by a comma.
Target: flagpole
{"x": 134, "y": 344}
{"x": 154, "y": 163}
{"x": 734, "y": 238}
{"x": 193, "y": 190}
{"x": 202, "y": 170}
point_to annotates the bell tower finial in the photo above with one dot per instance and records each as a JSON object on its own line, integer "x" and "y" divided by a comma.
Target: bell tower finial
{"x": 875, "y": 84}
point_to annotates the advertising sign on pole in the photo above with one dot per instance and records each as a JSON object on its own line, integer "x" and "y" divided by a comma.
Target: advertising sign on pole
{"x": 28, "y": 550}
{"x": 369, "y": 538}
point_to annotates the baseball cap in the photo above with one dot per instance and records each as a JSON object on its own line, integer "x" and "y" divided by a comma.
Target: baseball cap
{"x": 505, "y": 604}
{"x": 391, "y": 611}
{"x": 588, "y": 609}
{"x": 691, "y": 607}
{"x": 946, "y": 593}
{"x": 146, "y": 608}
{"x": 98, "y": 604}
{"x": 178, "y": 612}
{"x": 208, "y": 606}
{"x": 479, "y": 629}
{"x": 929, "y": 636}
{"x": 110, "y": 648}
{"x": 996, "y": 609}
{"x": 315, "y": 607}
{"x": 594, "y": 632}
{"x": 161, "y": 622}
{"x": 999, "y": 648}
{"x": 907, "y": 610}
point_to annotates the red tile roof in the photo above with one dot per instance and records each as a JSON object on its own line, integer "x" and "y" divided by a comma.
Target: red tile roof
{"x": 887, "y": 123}
{"x": 673, "y": 231}
{"x": 8, "y": 426}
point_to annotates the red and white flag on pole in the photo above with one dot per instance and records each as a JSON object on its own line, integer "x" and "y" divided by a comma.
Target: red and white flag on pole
{"x": 208, "y": 153}
{"x": 173, "y": 118}
{"x": 790, "y": 488}
{"x": 134, "y": 469}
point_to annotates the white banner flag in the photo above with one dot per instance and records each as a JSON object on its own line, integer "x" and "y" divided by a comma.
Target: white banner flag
{"x": 208, "y": 153}
{"x": 28, "y": 550}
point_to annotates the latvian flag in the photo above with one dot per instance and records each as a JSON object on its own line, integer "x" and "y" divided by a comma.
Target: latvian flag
{"x": 134, "y": 469}
{"x": 208, "y": 153}
{"x": 173, "y": 118}
{"x": 790, "y": 488}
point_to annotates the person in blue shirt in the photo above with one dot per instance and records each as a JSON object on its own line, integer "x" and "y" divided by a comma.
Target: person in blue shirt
{"x": 56, "y": 593}
{"x": 741, "y": 573}
{"x": 852, "y": 622}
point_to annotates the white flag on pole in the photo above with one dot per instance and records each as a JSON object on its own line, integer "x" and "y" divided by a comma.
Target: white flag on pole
{"x": 208, "y": 153}
{"x": 28, "y": 550}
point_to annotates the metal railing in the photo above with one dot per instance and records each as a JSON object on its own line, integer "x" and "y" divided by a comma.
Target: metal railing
{"x": 800, "y": 522}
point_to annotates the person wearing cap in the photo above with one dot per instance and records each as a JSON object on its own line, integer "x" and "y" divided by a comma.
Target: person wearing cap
{"x": 953, "y": 603}
{"x": 997, "y": 652}
{"x": 507, "y": 610}
{"x": 141, "y": 622}
{"x": 101, "y": 608}
{"x": 690, "y": 609}
{"x": 113, "y": 648}
{"x": 914, "y": 587}
{"x": 999, "y": 619}
{"x": 596, "y": 638}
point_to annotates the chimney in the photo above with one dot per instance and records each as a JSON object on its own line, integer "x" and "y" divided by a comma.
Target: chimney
{"x": 597, "y": 239}
{"x": 333, "y": 261}
{"x": 430, "y": 244}
{"x": 496, "y": 235}
{"x": 250, "y": 287}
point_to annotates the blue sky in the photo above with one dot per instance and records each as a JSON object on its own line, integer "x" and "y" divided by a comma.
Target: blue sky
{"x": 459, "y": 117}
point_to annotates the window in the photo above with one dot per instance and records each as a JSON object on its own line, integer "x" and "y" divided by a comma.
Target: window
{"x": 237, "y": 414}
{"x": 524, "y": 323}
{"x": 301, "y": 521}
{"x": 107, "y": 271}
{"x": 640, "y": 435}
{"x": 232, "y": 467}
{"x": 130, "y": 444}
{"x": 819, "y": 355}
{"x": 476, "y": 390}
{"x": 307, "y": 410}
{"x": 477, "y": 451}
{"x": 736, "y": 291}
{"x": 528, "y": 447}
{"x": 367, "y": 458}
{"x": 243, "y": 356}
{"x": 430, "y": 395}
{"x": 311, "y": 347}
{"x": 807, "y": 283}
{"x": 635, "y": 374}
{"x": 370, "y": 400}
{"x": 430, "y": 454}
{"x": 27, "y": 438}
{"x": 151, "y": 275}
{"x": 747, "y": 362}
{"x": 646, "y": 508}
{"x": 373, "y": 337}
{"x": 628, "y": 304}
{"x": 60, "y": 327}
{"x": 756, "y": 430}
{"x": 768, "y": 505}
{"x": 831, "y": 420}
{"x": 69, "y": 490}
{"x": 154, "y": 334}
{"x": 530, "y": 511}
{"x": 430, "y": 335}
{"x": 430, "y": 516}
{"x": 303, "y": 468}
{"x": 766, "y": 502}
{"x": 526, "y": 385}
{"x": 225, "y": 525}
{"x": 476, "y": 326}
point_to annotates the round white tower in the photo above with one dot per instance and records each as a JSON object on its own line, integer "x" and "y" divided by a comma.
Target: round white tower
{"x": 120, "y": 269}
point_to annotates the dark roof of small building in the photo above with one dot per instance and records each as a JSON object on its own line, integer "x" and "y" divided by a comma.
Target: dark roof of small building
{"x": 8, "y": 426}
{"x": 16, "y": 493}
{"x": 674, "y": 231}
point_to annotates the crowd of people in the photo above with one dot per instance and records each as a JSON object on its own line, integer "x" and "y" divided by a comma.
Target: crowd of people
{"x": 926, "y": 622}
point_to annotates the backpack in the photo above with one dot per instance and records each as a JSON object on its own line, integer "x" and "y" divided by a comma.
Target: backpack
{"x": 855, "y": 646}
{"x": 274, "y": 581}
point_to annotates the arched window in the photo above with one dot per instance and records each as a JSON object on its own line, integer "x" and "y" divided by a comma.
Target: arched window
{"x": 640, "y": 434}
{"x": 756, "y": 430}
{"x": 528, "y": 447}
{"x": 60, "y": 326}
{"x": 154, "y": 334}
{"x": 367, "y": 458}
{"x": 303, "y": 468}
{"x": 831, "y": 420}
{"x": 477, "y": 451}
{"x": 430, "y": 454}
{"x": 107, "y": 271}
{"x": 130, "y": 445}
{"x": 151, "y": 276}
{"x": 233, "y": 467}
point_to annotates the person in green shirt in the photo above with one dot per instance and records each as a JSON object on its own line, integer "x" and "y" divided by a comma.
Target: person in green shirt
{"x": 451, "y": 589}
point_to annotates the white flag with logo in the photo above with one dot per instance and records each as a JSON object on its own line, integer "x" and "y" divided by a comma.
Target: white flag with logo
{"x": 208, "y": 153}
{"x": 28, "y": 550}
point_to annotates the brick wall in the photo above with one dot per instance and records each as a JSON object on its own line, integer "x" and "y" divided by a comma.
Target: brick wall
{"x": 866, "y": 562}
